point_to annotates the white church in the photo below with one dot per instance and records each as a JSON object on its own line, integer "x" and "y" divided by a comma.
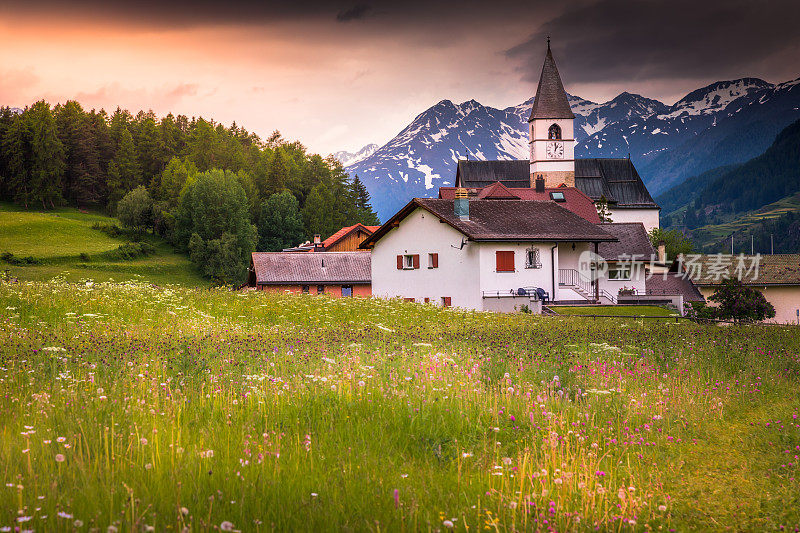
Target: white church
{"x": 520, "y": 234}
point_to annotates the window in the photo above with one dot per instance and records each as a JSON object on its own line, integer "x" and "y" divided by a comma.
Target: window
{"x": 505, "y": 261}
{"x": 557, "y": 196}
{"x": 554, "y": 132}
{"x": 407, "y": 262}
{"x": 347, "y": 291}
{"x": 427, "y": 300}
{"x": 305, "y": 289}
{"x": 620, "y": 273}
{"x": 433, "y": 260}
{"x": 409, "y": 300}
{"x": 320, "y": 289}
{"x": 446, "y": 301}
{"x": 533, "y": 258}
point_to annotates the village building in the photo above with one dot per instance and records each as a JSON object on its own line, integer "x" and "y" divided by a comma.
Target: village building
{"x": 776, "y": 276}
{"x": 338, "y": 274}
{"x": 514, "y": 234}
{"x": 613, "y": 182}
{"x": 346, "y": 239}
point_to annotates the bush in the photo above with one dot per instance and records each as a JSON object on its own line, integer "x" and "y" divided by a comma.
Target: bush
{"x": 740, "y": 302}
{"x": 11, "y": 259}
{"x": 112, "y": 230}
{"x": 135, "y": 210}
{"x": 129, "y": 251}
{"x": 84, "y": 256}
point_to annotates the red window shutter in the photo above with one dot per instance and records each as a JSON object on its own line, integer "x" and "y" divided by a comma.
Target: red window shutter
{"x": 408, "y": 299}
{"x": 435, "y": 260}
{"x": 399, "y": 262}
{"x": 416, "y": 260}
{"x": 447, "y": 301}
{"x": 505, "y": 261}
{"x": 427, "y": 300}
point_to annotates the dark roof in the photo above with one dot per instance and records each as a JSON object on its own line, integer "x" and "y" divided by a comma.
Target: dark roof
{"x": 672, "y": 284}
{"x": 615, "y": 179}
{"x": 711, "y": 269}
{"x": 551, "y": 99}
{"x": 284, "y": 268}
{"x": 633, "y": 242}
{"x": 575, "y": 200}
{"x": 504, "y": 220}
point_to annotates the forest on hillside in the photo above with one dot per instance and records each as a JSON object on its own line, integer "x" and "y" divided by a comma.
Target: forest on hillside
{"x": 216, "y": 192}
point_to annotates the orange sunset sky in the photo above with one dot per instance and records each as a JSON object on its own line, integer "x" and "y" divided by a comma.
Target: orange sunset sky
{"x": 338, "y": 75}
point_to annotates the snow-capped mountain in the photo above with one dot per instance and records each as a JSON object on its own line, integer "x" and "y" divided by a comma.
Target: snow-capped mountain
{"x": 723, "y": 123}
{"x": 351, "y": 158}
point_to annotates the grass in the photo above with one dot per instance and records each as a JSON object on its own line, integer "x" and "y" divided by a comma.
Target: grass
{"x": 57, "y": 239}
{"x": 614, "y": 310}
{"x": 133, "y": 407}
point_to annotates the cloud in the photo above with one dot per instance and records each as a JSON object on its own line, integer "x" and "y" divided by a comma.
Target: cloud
{"x": 620, "y": 41}
{"x": 357, "y": 12}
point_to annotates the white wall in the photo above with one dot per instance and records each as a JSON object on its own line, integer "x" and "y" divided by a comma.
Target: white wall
{"x": 422, "y": 233}
{"x": 637, "y": 281}
{"x": 491, "y": 280}
{"x": 538, "y": 145}
{"x": 648, "y": 217}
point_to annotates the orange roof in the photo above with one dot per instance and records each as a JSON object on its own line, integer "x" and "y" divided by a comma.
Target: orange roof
{"x": 336, "y": 237}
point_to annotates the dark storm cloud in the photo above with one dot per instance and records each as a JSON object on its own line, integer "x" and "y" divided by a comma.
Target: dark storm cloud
{"x": 354, "y": 13}
{"x": 616, "y": 40}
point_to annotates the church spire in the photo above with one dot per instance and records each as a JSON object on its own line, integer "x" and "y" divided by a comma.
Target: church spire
{"x": 551, "y": 99}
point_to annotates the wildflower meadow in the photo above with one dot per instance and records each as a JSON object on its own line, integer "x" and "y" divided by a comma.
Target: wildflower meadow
{"x": 131, "y": 407}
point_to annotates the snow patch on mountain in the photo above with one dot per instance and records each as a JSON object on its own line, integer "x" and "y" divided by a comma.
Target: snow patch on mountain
{"x": 351, "y": 158}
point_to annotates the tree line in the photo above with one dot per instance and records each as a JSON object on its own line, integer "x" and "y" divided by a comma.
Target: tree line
{"x": 216, "y": 192}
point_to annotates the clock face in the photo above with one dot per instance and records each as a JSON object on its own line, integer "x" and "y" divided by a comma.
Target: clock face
{"x": 555, "y": 150}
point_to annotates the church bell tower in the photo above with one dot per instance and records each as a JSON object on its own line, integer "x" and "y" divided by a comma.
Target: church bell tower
{"x": 552, "y": 139}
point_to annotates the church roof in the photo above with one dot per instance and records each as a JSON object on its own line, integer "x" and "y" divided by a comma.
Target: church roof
{"x": 615, "y": 179}
{"x": 551, "y": 99}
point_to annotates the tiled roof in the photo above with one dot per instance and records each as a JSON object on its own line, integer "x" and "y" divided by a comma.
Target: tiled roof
{"x": 504, "y": 220}
{"x": 711, "y": 269}
{"x": 345, "y": 231}
{"x": 574, "y": 200}
{"x": 633, "y": 241}
{"x": 672, "y": 284}
{"x": 276, "y": 268}
{"x": 551, "y": 99}
{"x": 616, "y": 179}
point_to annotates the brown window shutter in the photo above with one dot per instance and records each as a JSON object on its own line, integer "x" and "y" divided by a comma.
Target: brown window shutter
{"x": 399, "y": 262}
{"x": 505, "y": 261}
{"x": 435, "y": 260}
{"x": 416, "y": 260}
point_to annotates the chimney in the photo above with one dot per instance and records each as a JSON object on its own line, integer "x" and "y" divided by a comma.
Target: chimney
{"x": 662, "y": 252}
{"x": 318, "y": 246}
{"x": 539, "y": 183}
{"x": 461, "y": 204}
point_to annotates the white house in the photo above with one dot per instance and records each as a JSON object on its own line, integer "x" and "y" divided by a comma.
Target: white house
{"x": 478, "y": 254}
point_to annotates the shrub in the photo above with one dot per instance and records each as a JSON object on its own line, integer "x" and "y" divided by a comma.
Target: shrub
{"x": 10, "y": 258}
{"x": 740, "y": 302}
{"x": 132, "y": 250}
{"x": 112, "y": 230}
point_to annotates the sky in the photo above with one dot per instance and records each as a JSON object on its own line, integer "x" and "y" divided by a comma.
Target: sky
{"x": 339, "y": 75}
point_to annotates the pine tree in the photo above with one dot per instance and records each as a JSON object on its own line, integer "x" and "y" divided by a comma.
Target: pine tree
{"x": 362, "y": 199}
{"x": 82, "y": 177}
{"x": 124, "y": 173}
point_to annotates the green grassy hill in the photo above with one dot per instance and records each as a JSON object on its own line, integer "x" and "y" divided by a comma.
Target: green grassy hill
{"x": 64, "y": 243}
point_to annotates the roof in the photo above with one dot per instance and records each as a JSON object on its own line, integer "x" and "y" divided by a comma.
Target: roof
{"x": 551, "y": 99}
{"x": 711, "y": 269}
{"x": 497, "y": 191}
{"x": 504, "y": 220}
{"x": 342, "y": 233}
{"x": 633, "y": 242}
{"x": 574, "y": 200}
{"x": 616, "y": 179}
{"x": 282, "y": 268}
{"x": 673, "y": 284}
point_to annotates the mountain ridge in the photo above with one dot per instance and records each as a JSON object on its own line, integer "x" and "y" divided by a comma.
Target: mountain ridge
{"x": 725, "y": 122}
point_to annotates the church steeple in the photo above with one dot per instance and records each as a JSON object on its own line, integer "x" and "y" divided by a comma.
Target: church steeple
{"x": 551, "y": 126}
{"x": 551, "y": 99}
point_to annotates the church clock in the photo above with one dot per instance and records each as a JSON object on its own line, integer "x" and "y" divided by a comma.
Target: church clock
{"x": 555, "y": 150}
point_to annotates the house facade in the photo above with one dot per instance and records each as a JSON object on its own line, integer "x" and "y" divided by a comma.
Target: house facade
{"x": 482, "y": 254}
{"x": 337, "y": 274}
{"x": 776, "y": 276}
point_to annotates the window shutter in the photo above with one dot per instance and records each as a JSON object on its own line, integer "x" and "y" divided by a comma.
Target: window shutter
{"x": 399, "y": 262}
{"x": 416, "y": 260}
{"x": 446, "y": 301}
{"x": 505, "y": 261}
{"x": 435, "y": 260}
